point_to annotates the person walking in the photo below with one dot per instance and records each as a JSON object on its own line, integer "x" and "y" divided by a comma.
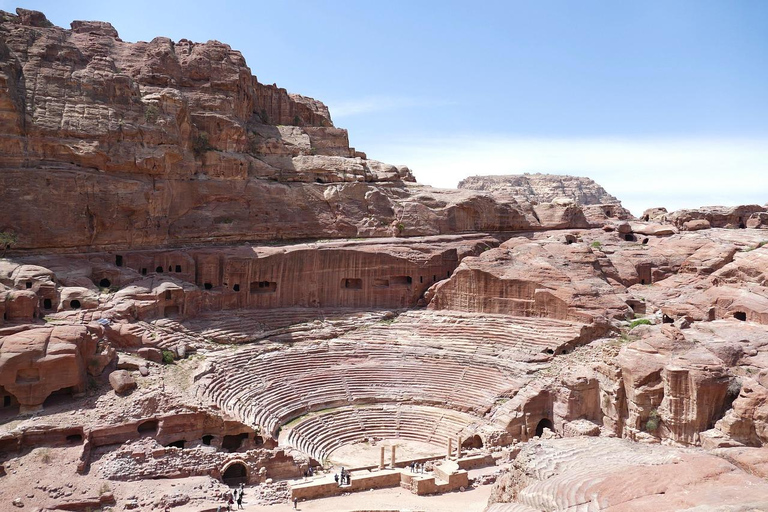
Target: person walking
{"x": 240, "y": 501}
{"x": 295, "y": 503}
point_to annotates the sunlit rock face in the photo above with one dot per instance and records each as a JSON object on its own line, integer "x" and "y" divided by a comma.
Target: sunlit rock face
{"x": 203, "y": 285}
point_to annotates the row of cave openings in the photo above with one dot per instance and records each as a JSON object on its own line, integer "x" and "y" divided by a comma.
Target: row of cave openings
{"x": 158, "y": 270}
{"x": 356, "y": 283}
{"x": 230, "y": 443}
{"x": 266, "y": 287}
{"x": 738, "y": 315}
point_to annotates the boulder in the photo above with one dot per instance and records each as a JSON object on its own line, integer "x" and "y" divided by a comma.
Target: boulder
{"x": 151, "y": 354}
{"x": 122, "y": 381}
{"x": 696, "y": 224}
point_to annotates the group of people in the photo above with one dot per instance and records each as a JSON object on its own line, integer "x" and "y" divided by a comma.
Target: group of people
{"x": 417, "y": 468}
{"x": 236, "y": 497}
{"x": 346, "y": 478}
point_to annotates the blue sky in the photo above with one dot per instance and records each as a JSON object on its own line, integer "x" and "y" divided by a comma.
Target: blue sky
{"x": 662, "y": 102}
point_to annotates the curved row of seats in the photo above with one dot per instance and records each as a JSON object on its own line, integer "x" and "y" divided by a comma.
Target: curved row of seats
{"x": 273, "y": 388}
{"x": 320, "y": 434}
{"x": 494, "y": 335}
{"x": 458, "y": 361}
{"x": 246, "y": 325}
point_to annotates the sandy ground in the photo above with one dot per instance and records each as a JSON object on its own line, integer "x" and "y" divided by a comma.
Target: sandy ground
{"x": 46, "y": 475}
{"x": 473, "y": 500}
{"x": 366, "y": 454}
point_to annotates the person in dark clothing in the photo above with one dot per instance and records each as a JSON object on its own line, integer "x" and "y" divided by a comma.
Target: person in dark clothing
{"x": 295, "y": 503}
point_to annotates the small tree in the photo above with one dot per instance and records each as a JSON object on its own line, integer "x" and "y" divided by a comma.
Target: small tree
{"x": 7, "y": 240}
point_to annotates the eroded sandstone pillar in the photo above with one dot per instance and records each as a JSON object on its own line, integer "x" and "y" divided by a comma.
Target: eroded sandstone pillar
{"x": 458, "y": 448}
{"x": 450, "y": 448}
{"x": 381, "y": 460}
{"x": 392, "y": 464}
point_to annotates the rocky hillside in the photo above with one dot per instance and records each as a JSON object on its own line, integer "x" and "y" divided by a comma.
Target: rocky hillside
{"x": 542, "y": 188}
{"x": 106, "y": 144}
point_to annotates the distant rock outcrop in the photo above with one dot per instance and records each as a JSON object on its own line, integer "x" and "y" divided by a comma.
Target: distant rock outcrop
{"x": 542, "y": 188}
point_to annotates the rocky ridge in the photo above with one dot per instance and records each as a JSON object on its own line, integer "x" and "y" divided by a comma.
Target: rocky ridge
{"x": 542, "y": 188}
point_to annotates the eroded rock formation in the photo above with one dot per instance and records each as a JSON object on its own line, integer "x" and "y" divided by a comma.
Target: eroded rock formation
{"x": 542, "y": 188}
{"x": 204, "y": 273}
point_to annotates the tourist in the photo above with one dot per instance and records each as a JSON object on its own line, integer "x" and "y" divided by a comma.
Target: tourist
{"x": 336, "y": 478}
{"x": 240, "y": 500}
{"x": 295, "y": 503}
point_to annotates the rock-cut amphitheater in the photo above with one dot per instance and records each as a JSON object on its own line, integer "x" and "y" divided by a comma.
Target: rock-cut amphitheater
{"x": 204, "y": 289}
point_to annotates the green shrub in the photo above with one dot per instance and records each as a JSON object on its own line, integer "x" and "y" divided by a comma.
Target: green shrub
{"x": 653, "y": 421}
{"x": 400, "y": 227}
{"x": 168, "y": 357}
{"x": 639, "y": 321}
{"x": 596, "y": 245}
{"x": 297, "y": 120}
{"x": 7, "y": 240}
{"x": 151, "y": 113}
{"x": 201, "y": 144}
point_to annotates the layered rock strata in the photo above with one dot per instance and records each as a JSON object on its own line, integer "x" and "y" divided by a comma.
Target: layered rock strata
{"x": 109, "y": 144}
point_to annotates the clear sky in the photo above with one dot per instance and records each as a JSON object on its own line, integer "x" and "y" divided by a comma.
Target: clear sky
{"x": 664, "y": 103}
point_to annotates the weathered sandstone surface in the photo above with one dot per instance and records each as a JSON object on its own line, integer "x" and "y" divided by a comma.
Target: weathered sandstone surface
{"x": 542, "y": 188}
{"x": 611, "y": 474}
{"x": 208, "y": 287}
{"x": 109, "y": 144}
{"x": 745, "y": 216}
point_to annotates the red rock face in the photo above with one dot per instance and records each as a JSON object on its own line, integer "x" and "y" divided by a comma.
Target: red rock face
{"x": 533, "y": 278}
{"x": 37, "y": 362}
{"x": 734, "y": 217}
{"x": 140, "y": 179}
{"x": 108, "y": 144}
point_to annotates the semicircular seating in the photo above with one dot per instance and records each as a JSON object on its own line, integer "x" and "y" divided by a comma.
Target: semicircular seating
{"x": 458, "y": 361}
{"x": 318, "y": 435}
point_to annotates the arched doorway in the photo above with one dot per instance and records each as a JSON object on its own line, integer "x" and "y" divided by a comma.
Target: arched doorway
{"x": 472, "y": 442}
{"x": 235, "y": 473}
{"x": 544, "y": 423}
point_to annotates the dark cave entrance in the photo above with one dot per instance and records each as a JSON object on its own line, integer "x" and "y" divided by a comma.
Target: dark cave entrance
{"x": 235, "y": 474}
{"x": 544, "y": 423}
